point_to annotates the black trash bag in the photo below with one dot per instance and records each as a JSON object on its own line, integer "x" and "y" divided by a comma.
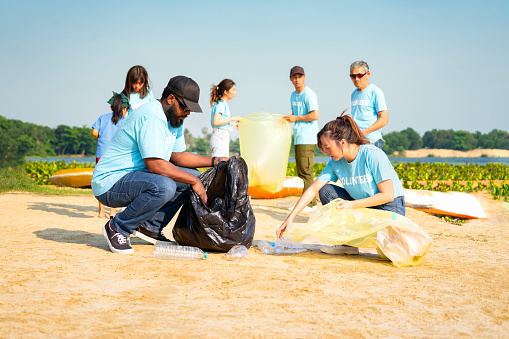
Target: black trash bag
{"x": 227, "y": 220}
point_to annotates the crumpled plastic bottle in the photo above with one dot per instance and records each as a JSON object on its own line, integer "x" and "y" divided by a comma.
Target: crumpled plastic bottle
{"x": 237, "y": 252}
{"x": 270, "y": 248}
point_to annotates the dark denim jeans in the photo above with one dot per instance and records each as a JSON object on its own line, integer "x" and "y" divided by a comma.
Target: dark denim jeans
{"x": 330, "y": 192}
{"x": 152, "y": 200}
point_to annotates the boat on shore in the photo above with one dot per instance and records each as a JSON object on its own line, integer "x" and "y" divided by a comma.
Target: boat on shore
{"x": 73, "y": 177}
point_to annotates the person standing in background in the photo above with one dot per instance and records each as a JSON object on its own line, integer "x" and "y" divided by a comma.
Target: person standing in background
{"x": 220, "y": 117}
{"x": 103, "y": 130}
{"x": 368, "y": 106}
{"x": 304, "y": 104}
{"x": 137, "y": 88}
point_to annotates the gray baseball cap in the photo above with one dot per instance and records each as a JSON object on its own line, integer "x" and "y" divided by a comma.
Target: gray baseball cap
{"x": 297, "y": 70}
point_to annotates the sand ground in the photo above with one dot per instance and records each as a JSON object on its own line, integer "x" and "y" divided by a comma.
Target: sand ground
{"x": 59, "y": 279}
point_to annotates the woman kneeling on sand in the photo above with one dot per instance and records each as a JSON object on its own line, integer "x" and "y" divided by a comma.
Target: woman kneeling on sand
{"x": 367, "y": 176}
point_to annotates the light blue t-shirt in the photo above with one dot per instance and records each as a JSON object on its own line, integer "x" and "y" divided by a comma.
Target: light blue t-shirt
{"x": 304, "y": 132}
{"x": 135, "y": 101}
{"x": 106, "y": 129}
{"x": 360, "y": 177}
{"x": 365, "y": 107}
{"x": 220, "y": 107}
{"x": 144, "y": 134}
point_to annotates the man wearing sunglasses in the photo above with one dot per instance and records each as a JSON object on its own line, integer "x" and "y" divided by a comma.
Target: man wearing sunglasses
{"x": 146, "y": 169}
{"x": 368, "y": 104}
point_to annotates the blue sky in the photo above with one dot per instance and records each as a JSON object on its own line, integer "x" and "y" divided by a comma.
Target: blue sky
{"x": 441, "y": 64}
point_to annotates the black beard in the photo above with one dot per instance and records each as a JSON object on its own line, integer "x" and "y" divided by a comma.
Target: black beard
{"x": 171, "y": 116}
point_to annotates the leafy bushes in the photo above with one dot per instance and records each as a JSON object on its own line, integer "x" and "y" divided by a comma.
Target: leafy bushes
{"x": 41, "y": 171}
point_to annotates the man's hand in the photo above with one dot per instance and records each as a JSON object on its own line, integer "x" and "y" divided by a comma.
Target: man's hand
{"x": 290, "y": 118}
{"x": 200, "y": 190}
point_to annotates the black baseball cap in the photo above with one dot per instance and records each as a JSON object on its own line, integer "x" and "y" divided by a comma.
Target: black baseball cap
{"x": 297, "y": 70}
{"x": 187, "y": 89}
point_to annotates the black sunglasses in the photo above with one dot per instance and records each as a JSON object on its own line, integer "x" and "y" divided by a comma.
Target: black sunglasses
{"x": 360, "y": 76}
{"x": 183, "y": 105}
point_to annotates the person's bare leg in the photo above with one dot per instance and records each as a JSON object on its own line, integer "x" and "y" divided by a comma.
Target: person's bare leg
{"x": 113, "y": 212}
{"x": 102, "y": 211}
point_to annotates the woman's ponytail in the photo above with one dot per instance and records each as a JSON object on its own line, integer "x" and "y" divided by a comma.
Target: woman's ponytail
{"x": 344, "y": 127}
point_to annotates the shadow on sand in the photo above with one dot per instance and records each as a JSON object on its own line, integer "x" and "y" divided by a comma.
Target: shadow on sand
{"x": 73, "y": 211}
{"x": 80, "y": 237}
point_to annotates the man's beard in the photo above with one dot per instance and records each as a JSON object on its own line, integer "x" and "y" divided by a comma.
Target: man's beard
{"x": 173, "y": 118}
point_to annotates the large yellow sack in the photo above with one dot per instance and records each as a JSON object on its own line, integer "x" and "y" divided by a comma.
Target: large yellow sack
{"x": 265, "y": 140}
{"x": 393, "y": 235}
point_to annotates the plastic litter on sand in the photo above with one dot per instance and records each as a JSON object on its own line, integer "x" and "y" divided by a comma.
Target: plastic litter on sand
{"x": 164, "y": 250}
{"x": 280, "y": 246}
{"x": 237, "y": 252}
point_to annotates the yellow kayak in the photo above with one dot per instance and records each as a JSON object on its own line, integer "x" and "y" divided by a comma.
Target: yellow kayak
{"x": 74, "y": 177}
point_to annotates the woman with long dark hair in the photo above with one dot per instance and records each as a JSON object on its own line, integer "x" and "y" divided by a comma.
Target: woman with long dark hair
{"x": 366, "y": 175}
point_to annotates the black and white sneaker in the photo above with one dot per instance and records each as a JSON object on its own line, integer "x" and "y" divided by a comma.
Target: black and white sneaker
{"x": 117, "y": 242}
{"x": 152, "y": 237}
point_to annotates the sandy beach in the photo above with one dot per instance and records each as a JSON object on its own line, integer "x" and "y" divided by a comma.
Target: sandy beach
{"x": 59, "y": 279}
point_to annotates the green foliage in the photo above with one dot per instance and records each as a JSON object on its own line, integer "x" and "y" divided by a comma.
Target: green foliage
{"x": 445, "y": 171}
{"x": 20, "y": 139}
{"x": 291, "y": 169}
{"x": 41, "y": 171}
{"x": 400, "y": 141}
{"x": 17, "y": 180}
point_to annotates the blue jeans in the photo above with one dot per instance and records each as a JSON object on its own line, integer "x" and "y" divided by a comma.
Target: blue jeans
{"x": 152, "y": 200}
{"x": 379, "y": 143}
{"x": 330, "y": 192}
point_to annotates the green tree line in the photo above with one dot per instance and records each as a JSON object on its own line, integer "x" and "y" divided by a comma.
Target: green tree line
{"x": 21, "y": 139}
{"x": 409, "y": 139}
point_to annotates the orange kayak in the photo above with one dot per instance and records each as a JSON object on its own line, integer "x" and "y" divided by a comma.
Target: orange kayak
{"x": 74, "y": 177}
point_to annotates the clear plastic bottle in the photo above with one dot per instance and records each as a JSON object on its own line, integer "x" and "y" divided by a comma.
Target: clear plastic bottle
{"x": 265, "y": 247}
{"x": 164, "y": 250}
{"x": 276, "y": 248}
{"x": 291, "y": 246}
{"x": 237, "y": 252}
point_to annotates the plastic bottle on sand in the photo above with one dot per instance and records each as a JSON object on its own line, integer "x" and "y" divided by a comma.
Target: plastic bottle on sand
{"x": 237, "y": 252}
{"x": 264, "y": 246}
{"x": 276, "y": 248}
{"x": 163, "y": 250}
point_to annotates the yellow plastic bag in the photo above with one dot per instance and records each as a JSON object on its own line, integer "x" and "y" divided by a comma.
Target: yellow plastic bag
{"x": 265, "y": 140}
{"x": 393, "y": 235}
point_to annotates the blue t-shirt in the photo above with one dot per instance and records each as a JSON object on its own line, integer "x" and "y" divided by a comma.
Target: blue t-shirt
{"x": 106, "y": 129}
{"x": 304, "y": 132}
{"x": 144, "y": 134}
{"x": 220, "y": 107}
{"x": 135, "y": 101}
{"x": 360, "y": 177}
{"x": 365, "y": 107}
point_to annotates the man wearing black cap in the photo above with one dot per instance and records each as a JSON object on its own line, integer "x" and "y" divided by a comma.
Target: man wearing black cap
{"x": 145, "y": 167}
{"x": 305, "y": 115}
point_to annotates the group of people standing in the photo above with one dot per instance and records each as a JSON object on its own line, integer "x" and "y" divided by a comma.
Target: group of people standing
{"x": 146, "y": 169}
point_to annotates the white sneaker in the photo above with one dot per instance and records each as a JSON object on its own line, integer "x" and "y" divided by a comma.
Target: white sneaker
{"x": 340, "y": 249}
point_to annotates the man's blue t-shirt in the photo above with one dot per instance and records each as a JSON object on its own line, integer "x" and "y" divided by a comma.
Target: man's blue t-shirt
{"x": 220, "y": 107}
{"x": 106, "y": 129}
{"x": 144, "y": 134}
{"x": 360, "y": 177}
{"x": 135, "y": 101}
{"x": 304, "y": 132}
{"x": 365, "y": 107}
